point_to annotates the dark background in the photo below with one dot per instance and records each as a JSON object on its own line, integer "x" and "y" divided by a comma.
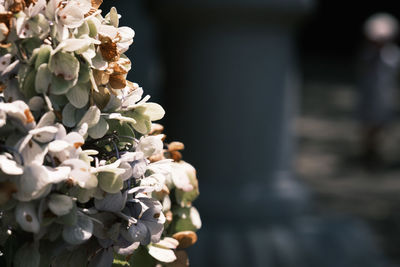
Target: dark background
{"x": 331, "y": 36}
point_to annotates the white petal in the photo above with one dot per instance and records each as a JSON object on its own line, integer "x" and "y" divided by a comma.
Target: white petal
{"x": 32, "y": 183}
{"x": 9, "y": 166}
{"x": 162, "y": 254}
{"x": 58, "y": 146}
{"x": 31, "y": 151}
{"x": 168, "y": 242}
{"x": 44, "y": 134}
{"x": 57, "y": 175}
{"x": 154, "y": 111}
{"x": 26, "y": 217}
{"x": 60, "y": 204}
{"x": 71, "y": 16}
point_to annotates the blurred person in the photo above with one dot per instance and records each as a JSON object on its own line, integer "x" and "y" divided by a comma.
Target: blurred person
{"x": 377, "y": 70}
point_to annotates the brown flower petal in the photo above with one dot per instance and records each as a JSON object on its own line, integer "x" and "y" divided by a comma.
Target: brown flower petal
{"x": 96, "y": 3}
{"x": 185, "y": 238}
{"x": 29, "y": 2}
{"x": 108, "y": 49}
{"x": 117, "y": 81}
{"x": 17, "y": 6}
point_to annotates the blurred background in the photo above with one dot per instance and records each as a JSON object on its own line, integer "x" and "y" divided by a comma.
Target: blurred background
{"x": 289, "y": 110}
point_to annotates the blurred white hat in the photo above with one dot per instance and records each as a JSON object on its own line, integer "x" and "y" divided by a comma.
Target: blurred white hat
{"x": 381, "y": 27}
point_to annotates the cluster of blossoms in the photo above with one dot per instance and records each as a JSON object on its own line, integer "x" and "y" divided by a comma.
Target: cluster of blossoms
{"x": 86, "y": 178}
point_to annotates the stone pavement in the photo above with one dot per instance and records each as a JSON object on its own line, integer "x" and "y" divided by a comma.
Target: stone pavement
{"x": 328, "y": 162}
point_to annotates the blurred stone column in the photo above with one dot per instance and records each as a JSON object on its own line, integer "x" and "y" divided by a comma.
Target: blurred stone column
{"x": 231, "y": 91}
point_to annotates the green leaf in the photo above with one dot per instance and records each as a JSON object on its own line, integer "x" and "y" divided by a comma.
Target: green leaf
{"x": 92, "y": 28}
{"x": 43, "y": 55}
{"x": 70, "y": 218}
{"x": 122, "y": 129}
{"x": 42, "y": 79}
{"x": 68, "y": 115}
{"x": 83, "y": 29}
{"x": 91, "y": 117}
{"x": 78, "y": 95}
{"x": 27, "y": 256}
{"x": 60, "y": 86}
{"x": 76, "y": 258}
{"x": 64, "y": 65}
{"x": 28, "y": 88}
{"x": 99, "y": 130}
{"x": 110, "y": 182}
{"x": 84, "y": 72}
{"x": 185, "y": 219}
{"x": 141, "y": 258}
{"x": 80, "y": 232}
{"x": 143, "y": 122}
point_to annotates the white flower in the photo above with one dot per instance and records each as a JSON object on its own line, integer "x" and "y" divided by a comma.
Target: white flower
{"x": 81, "y": 173}
{"x": 65, "y": 146}
{"x": 19, "y": 113}
{"x": 150, "y": 145}
{"x": 37, "y": 179}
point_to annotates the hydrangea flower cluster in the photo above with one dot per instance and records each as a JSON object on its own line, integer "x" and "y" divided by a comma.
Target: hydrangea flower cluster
{"x": 86, "y": 178}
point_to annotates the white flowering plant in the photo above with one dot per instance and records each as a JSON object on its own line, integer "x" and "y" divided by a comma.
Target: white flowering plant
{"x": 86, "y": 177}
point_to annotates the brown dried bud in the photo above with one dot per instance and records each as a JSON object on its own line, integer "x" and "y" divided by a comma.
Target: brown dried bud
{"x": 175, "y": 155}
{"x": 156, "y": 129}
{"x": 168, "y": 216}
{"x": 185, "y": 238}
{"x": 155, "y": 158}
{"x": 173, "y": 146}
